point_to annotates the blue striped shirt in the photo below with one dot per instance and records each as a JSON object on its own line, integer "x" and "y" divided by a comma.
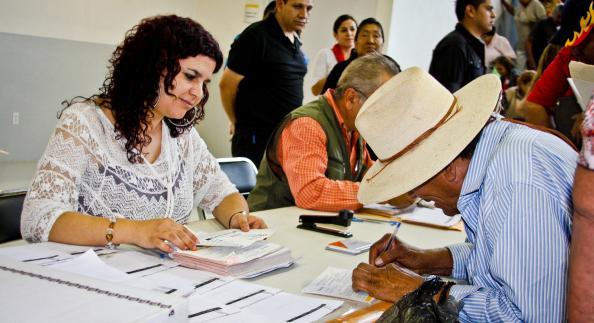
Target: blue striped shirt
{"x": 516, "y": 206}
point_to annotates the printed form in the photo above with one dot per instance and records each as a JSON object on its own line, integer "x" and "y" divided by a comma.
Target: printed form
{"x": 336, "y": 282}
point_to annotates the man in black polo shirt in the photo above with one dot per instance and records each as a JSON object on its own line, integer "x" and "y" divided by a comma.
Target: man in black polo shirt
{"x": 460, "y": 56}
{"x": 263, "y": 80}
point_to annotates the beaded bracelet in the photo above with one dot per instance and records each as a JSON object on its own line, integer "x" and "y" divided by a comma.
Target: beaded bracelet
{"x": 244, "y": 212}
{"x": 109, "y": 234}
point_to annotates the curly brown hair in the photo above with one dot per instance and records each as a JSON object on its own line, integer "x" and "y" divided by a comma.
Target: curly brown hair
{"x": 131, "y": 88}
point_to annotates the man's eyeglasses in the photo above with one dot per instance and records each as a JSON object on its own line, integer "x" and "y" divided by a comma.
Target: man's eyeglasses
{"x": 363, "y": 95}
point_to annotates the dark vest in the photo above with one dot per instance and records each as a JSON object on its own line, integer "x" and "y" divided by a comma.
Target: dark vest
{"x": 272, "y": 189}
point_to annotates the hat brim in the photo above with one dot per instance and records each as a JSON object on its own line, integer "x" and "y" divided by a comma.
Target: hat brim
{"x": 477, "y": 101}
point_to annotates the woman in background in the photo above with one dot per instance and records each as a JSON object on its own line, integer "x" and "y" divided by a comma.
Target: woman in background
{"x": 506, "y": 71}
{"x": 344, "y": 30}
{"x": 126, "y": 164}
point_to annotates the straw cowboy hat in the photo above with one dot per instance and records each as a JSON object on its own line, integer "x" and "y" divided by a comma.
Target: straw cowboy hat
{"x": 417, "y": 127}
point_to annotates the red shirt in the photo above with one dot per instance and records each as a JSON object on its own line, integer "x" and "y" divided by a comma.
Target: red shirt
{"x": 553, "y": 83}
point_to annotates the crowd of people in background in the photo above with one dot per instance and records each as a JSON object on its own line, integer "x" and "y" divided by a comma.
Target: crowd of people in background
{"x": 128, "y": 159}
{"x": 311, "y": 163}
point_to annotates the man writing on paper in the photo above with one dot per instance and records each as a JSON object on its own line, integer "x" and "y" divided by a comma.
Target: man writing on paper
{"x": 316, "y": 157}
{"x": 511, "y": 183}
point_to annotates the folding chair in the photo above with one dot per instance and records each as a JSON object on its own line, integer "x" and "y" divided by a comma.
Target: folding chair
{"x": 11, "y": 206}
{"x": 241, "y": 172}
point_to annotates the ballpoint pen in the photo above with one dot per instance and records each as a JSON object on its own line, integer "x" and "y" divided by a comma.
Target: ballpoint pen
{"x": 376, "y": 221}
{"x": 396, "y": 227}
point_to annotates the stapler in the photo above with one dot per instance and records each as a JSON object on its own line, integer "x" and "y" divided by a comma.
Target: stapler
{"x": 343, "y": 219}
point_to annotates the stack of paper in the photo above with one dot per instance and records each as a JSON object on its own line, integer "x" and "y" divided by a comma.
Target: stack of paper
{"x": 350, "y": 246}
{"x": 259, "y": 257}
{"x": 386, "y": 210}
{"x": 232, "y": 237}
{"x": 388, "y": 213}
{"x": 433, "y": 218}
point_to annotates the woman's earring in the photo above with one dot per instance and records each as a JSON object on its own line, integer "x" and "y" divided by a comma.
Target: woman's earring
{"x": 154, "y": 106}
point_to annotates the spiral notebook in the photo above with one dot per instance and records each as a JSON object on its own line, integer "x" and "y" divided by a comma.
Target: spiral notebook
{"x": 33, "y": 293}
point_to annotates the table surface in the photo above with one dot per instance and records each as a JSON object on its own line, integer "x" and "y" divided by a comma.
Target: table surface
{"x": 309, "y": 246}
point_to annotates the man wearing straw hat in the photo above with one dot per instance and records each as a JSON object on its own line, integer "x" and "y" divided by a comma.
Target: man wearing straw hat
{"x": 511, "y": 183}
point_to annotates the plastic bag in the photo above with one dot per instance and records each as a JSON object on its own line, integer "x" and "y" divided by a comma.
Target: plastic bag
{"x": 419, "y": 306}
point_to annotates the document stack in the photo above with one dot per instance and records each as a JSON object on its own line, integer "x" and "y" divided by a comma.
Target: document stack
{"x": 235, "y": 253}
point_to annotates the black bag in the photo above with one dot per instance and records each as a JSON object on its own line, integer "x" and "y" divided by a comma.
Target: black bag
{"x": 565, "y": 117}
{"x": 419, "y": 306}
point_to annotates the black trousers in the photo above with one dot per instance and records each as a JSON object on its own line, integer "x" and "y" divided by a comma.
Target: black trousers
{"x": 250, "y": 143}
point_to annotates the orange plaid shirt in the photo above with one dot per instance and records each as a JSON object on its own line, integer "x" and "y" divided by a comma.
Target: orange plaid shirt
{"x": 302, "y": 154}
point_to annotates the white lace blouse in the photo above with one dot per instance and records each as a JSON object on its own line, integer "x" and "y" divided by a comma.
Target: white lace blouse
{"x": 85, "y": 169}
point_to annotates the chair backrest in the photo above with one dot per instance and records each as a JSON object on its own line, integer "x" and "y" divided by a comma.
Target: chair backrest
{"x": 11, "y": 205}
{"x": 241, "y": 172}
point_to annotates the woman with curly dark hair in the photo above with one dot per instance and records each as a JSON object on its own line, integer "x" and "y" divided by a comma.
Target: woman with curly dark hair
{"x": 126, "y": 164}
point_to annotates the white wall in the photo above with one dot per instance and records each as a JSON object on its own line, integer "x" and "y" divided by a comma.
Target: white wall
{"x": 86, "y": 20}
{"x": 412, "y": 28}
{"x": 417, "y": 26}
{"x": 105, "y": 22}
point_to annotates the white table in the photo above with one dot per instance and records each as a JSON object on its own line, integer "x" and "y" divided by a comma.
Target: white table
{"x": 310, "y": 245}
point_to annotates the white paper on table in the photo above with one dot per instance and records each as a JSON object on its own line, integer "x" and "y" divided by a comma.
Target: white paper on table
{"x": 240, "y": 293}
{"x": 336, "y": 282}
{"x": 75, "y": 249}
{"x": 285, "y": 307}
{"x": 48, "y": 253}
{"x": 243, "y": 317}
{"x": 160, "y": 287}
{"x": 232, "y": 237}
{"x": 230, "y": 255}
{"x": 137, "y": 262}
{"x": 434, "y": 217}
{"x": 267, "y": 270}
{"x": 202, "y": 281}
{"x": 35, "y": 253}
{"x": 89, "y": 264}
{"x": 183, "y": 286}
{"x": 203, "y": 309}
